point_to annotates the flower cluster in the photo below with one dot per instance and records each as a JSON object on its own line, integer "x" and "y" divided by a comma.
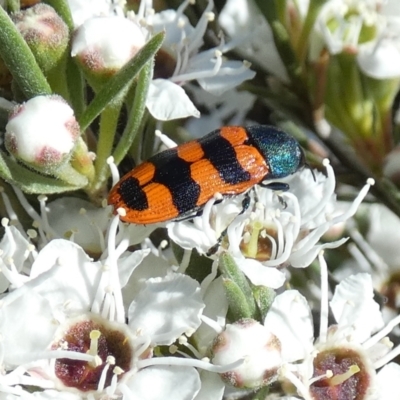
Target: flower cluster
{"x": 259, "y": 261}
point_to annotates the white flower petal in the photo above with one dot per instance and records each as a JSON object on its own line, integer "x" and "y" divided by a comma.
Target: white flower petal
{"x": 126, "y": 265}
{"x": 161, "y": 382}
{"x": 166, "y": 308}
{"x": 72, "y": 275}
{"x": 166, "y": 101}
{"x": 261, "y": 275}
{"x": 354, "y": 308}
{"x": 387, "y": 379}
{"x": 27, "y": 326}
{"x": 212, "y": 386}
{"x": 151, "y": 267}
{"x": 289, "y": 318}
{"x": 380, "y": 61}
{"x": 216, "y": 309}
{"x": 65, "y": 216}
{"x": 231, "y": 74}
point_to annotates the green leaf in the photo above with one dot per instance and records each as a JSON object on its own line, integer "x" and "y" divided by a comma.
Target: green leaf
{"x": 120, "y": 81}
{"x": 230, "y": 271}
{"x": 76, "y": 87}
{"x": 239, "y": 307}
{"x": 136, "y": 113}
{"x": 30, "y": 181}
{"x": 19, "y": 59}
{"x": 264, "y": 297}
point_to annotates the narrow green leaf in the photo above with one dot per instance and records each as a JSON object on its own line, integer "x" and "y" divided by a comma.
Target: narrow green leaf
{"x": 76, "y": 87}
{"x": 136, "y": 112}
{"x": 231, "y": 271}
{"x": 120, "y": 81}
{"x": 264, "y": 296}
{"x": 238, "y": 305}
{"x": 19, "y": 59}
{"x": 30, "y": 181}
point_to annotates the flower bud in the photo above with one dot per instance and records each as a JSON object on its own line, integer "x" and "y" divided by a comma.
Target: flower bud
{"x": 103, "y": 45}
{"x": 42, "y": 132}
{"x": 247, "y": 339}
{"x": 45, "y": 33}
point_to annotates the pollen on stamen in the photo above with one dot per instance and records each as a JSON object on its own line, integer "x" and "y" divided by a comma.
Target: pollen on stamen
{"x": 247, "y": 63}
{"x": 109, "y": 289}
{"x": 82, "y": 211}
{"x": 118, "y": 370}
{"x": 210, "y": 16}
{"x": 181, "y": 23}
{"x": 104, "y": 203}
{"x": 371, "y": 181}
{"x": 121, "y": 212}
{"x": 218, "y": 196}
{"x": 246, "y": 237}
{"x": 4, "y": 222}
{"x": 263, "y": 234}
{"x": 32, "y": 233}
{"x": 110, "y": 360}
{"x": 182, "y": 339}
{"x": 173, "y": 349}
{"x": 325, "y": 162}
{"x": 259, "y": 205}
{"x": 190, "y": 332}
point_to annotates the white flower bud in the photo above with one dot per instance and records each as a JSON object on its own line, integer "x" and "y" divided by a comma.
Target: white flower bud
{"x": 103, "y": 45}
{"x": 249, "y": 340}
{"x": 45, "y": 32}
{"x": 42, "y": 132}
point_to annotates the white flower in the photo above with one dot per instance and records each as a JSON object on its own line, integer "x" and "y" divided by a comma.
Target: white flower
{"x": 65, "y": 326}
{"x": 369, "y": 29}
{"x": 377, "y": 253}
{"x": 83, "y": 10}
{"x": 15, "y": 253}
{"x": 252, "y": 35}
{"x": 270, "y": 233}
{"x": 105, "y": 44}
{"x": 180, "y": 61}
{"x": 42, "y": 132}
{"x": 344, "y": 357}
{"x": 252, "y": 341}
{"x": 229, "y": 108}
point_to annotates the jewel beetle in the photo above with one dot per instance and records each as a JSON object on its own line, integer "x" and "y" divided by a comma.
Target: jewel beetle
{"x": 176, "y": 183}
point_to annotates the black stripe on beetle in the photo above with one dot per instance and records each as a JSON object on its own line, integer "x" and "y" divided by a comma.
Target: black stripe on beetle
{"x": 222, "y": 156}
{"x": 133, "y": 194}
{"x": 174, "y": 173}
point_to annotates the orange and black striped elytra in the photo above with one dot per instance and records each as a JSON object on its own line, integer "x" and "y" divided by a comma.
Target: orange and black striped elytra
{"x": 176, "y": 183}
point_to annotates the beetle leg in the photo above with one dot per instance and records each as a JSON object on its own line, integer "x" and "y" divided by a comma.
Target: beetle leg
{"x": 277, "y": 186}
